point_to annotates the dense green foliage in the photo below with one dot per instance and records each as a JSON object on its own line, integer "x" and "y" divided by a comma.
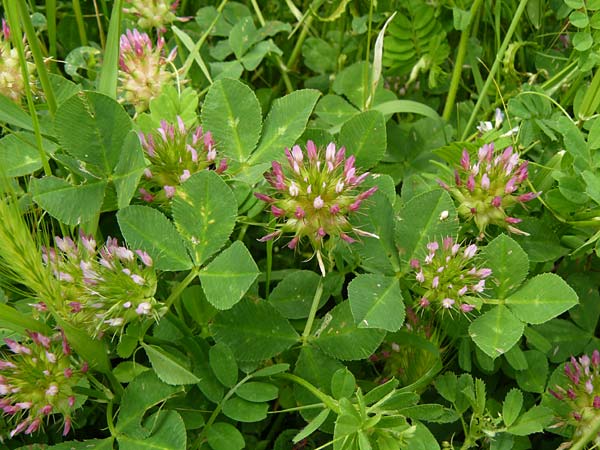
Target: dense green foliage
{"x": 296, "y": 225}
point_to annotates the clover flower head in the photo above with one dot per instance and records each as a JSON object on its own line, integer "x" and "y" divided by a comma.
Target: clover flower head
{"x": 12, "y": 84}
{"x": 102, "y": 289}
{"x": 487, "y": 186}
{"x": 143, "y": 68}
{"x": 154, "y": 13}
{"x": 176, "y": 153}
{"x": 582, "y": 393}
{"x": 448, "y": 279}
{"x": 315, "y": 197}
{"x": 37, "y": 380}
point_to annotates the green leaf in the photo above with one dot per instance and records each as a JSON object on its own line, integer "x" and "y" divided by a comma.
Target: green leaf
{"x": 144, "y": 392}
{"x": 224, "y": 436}
{"x": 376, "y": 302}
{"x": 582, "y": 41}
{"x": 516, "y": 358}
{"x": 284, "y": 124}
{"x": 317, "y": 368}
{"x": 128, "y": 170}
{"x": 579, "y": 19}
{"x": 447, "y": 385}
{"x": 107, "y": 84}
{"x": 243, "y": 35}
{"x": 167, "y": 368}
{"x": 168, "y": 433}
{"x": 496, "y": 331}
{"x": 407, "y": 106}
{"x": 349, "y": 82}
{"x": 430, "y": 413}
{"x": 293, "y": 296}
{"x": 564, "y": 337}
{"x": 204, "y": 210}
{"x": 237, "y": 408}
{"x": 12, "y": 114}
{"x": 257, "y": 391}
{"x": 254, "y": 331}
{"x": 509, "y": 264}
{"x": 227, "y": 278}
{"x": 419, "y": 222}
{"x": 126, "y": 371}
{"x": 198, "y": 350}
{"x": 534, "y": 379}
{"x": 461, "y": 18}
{"x": 511, "y": 408}
{"x": 343, "y": 384}
{"x": 377, "y": 255}
{"x": 92, "y": 128}
{"x": 334, "y": 110}
{"x": 19, "y": 154}
{"x": 364, "y": 136}
{"x": 422, "y": 439}
{"x": 533, "y": 421}
{"x": 70, "y": 204}
{"x": 88, "y": 444}
{"x": 222, "y": 363}
{"x": 148, "y": 229}
{"x": 312, "y": 426}
{"x": 542, "y": 298}
{"x": 338, "y": 336}
{"x": 14, "y": 320}
{"x": 232, "y": 113}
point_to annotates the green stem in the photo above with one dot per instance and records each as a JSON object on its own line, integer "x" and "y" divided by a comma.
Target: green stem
{"x": 80, "y": 23}
{"x": 181, "y": 286}
{"x": 591, "y": 433}
{"x": 51, "y": 24}
{"x": 38, "y": 57}
{"x": 495, "y": 66}
{"x": 298, "y": 46}
{"x": 13, "y": 20}
{"x": 109, "y": 419}
{"x": 313, "y": 312}
{"x": 100, "y": 27}
{"x": 326, "y": 399}
{"x": 269, "y": 268}
{"x": 460, "y": 58}
{"x": 217, "y": 410}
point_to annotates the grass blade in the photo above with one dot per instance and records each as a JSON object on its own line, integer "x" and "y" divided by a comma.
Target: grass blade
{"x": 108, "y": 75}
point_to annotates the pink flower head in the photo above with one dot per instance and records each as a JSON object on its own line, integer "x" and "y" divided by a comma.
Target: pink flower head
{"x": 486, "y": 187}
{"x": 315, "y": 195}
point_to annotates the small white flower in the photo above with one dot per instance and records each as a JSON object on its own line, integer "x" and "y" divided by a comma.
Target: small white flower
{"x": 444, "y": 215}
{"x": 143, "y": 309}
